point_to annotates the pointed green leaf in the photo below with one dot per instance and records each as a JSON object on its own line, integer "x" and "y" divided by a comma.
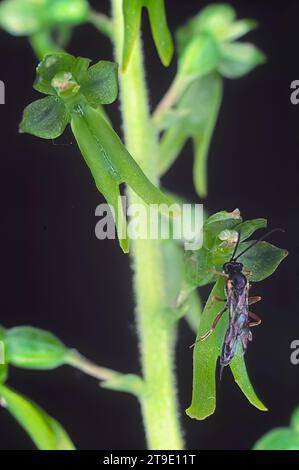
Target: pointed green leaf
{"x": 160, "y": 30}
{"x": 209, "y": 100}
{"x": 197, "y": 113}
{"x": 239, "y": 29}
{"x": 238, "y": 59}
{"x": 238, "y": 368}
{"x": 33, "y": 348}
{"x": 261, "y": 260}
{"x": 161, "y": 34}
{"x": 205, "y": 357}
{"x": 46, "y": 432}
{"x": 247, "y": 228}
{"x": 101, "y": 83}
{"x": 46, "y": 118}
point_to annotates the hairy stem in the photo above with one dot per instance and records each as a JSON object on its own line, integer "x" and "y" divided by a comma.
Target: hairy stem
{"x": 159, "y": 403}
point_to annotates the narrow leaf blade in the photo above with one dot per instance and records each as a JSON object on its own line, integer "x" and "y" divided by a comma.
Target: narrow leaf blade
{"x": 46, "y": 432}
{"x": 205, "y": 358}
{"x": 239, "y": 370}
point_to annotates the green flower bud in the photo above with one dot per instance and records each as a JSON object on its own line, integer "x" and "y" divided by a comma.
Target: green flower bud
{"x": 33, "y": 348}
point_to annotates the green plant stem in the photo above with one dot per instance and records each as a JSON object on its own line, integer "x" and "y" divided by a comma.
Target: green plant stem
{"x": 43, "y": 44}
{"x": 75, "y": 359}
{"x": 169, "y": 99}
{"x": 102, "y": 23}
{"x": 159, "y": 402}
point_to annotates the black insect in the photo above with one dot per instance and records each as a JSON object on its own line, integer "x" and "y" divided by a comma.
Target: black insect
{"x": 237, "y": 302}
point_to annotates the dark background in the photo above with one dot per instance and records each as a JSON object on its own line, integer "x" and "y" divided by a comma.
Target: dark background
{"x": 56, "y": 275}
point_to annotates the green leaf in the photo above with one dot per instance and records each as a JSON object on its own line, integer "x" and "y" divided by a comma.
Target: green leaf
{"x": 33, "y": 348}
{"x": 238, "y": 368}
{"x": 199, "y": 58}
{"x": 278, "y": 439}
{"x": 238, "y": 59}
{"x": 129, "y": 383}
{"x": 197, "y": 111}
{"x": 205, "y": 356}
{"x": 101, "y": 83}
{"x": 208, "y": 97}
{"x": 295, "y": 420}
{"x": 160, "y": 30}
{"x": 46, "y": 118}
{"x": 239, "y": 29}
{"x": 261, "y": 260}
{"x": 281, "y": 438}
{"x": 199, "y": 268}
{"x": 46, "y": 432}
{"x": 161, "y": 34}
{"x": 247, "y": 228}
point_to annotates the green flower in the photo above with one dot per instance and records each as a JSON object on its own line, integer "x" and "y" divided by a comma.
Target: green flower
{"x": 76, "y": 90}
{"x": 220, "y": 234}
{"x": 207, "y": 51}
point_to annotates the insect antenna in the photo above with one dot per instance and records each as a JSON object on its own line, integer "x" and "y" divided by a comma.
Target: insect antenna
{"x": 256, "y": 241}
{"x": 236, "y": 247}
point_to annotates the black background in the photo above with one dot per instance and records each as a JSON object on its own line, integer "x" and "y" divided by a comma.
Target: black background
{"x": 56, "y": 275}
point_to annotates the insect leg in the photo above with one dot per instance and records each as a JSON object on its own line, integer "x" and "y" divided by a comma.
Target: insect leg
{"x": 216, "y": 298}
{"x": 254, "y": 300}
{"x": 210, "y": 331}
{"x": 255, "y": 317}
